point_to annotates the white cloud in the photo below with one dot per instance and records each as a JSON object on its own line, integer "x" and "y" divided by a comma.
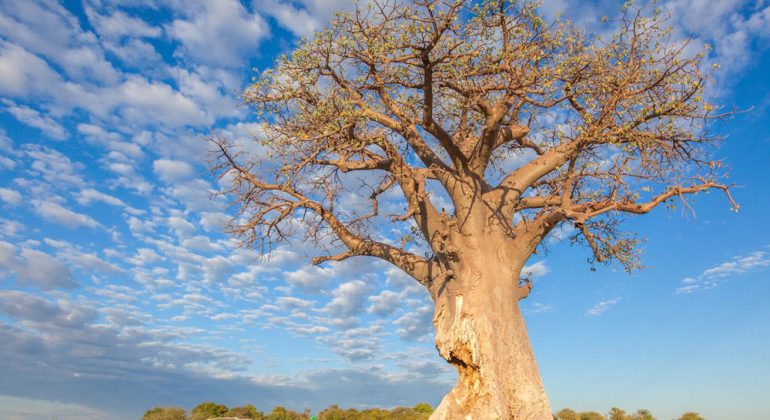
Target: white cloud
{"x": 90, "y": 195}
{"x": 173, "y": 170}
{"x": 353, "y": 349}
{"x": 308, "y": 329}
{"x": 55, "y": 213}
{"x": 196, "y": 195}
{"x": 534, "y": 270}
{"x": 34, "y": 267}
{"x": 6, "y": 163}
{"x": 85, "y": 261}
{"x": 713, "y": 277}
{"x": 302, "y": 17}
{"x": 119, "y": 24}
{"x": 291, "y": 302}
{"x": 22, "y": 72}
{"x": 88, "y": 62}
{"x": 53, "y": 32}
{"x": 602, "y": 306}
{"x": 10, "y": 228}
{"x": 208, "y": 90}
{"x": 416, "y": 323}
{"x": 538, "y": 308}
{"x": 152, "y": 102}
{"x": 310, "y": 278}
{"x": 739, "y": 265}
{"x": 348, "y": 299}
{"x": 297, "y": 20}
{"x": 137, "y": 100}
{"x": 121, "y": 150}
{"x": 25, "y": 306}
{"x": 562, "y": 232}
{"x": 214, "y": 222}
{"x": 731, "y": 27}
{"x": 54, "y": 167}
{"x": 31, "y": 408}
{"x": 219, "y": 33}
{"x": 201, "y": 243}
{"x": 135, "y": 53}
{"x": 145, "y": 256}
{"x": 385, "y": 303}
{"x": 11, "y": 197}
{"x": 180, "y": 226}
{"x": 33, "y": 118}
{"x": 217, "y": 268}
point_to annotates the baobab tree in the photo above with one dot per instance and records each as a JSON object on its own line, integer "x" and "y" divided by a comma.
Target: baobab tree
{"x": 492, "y": 128}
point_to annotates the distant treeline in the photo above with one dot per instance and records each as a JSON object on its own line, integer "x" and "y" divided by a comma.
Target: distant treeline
{"x": 421, "y": 411}
{"x": 210, "y": 410}
{"x": 617, "y": 414}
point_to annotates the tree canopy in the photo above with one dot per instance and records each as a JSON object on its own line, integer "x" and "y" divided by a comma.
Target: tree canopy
{"x": 524, "y": 124}
{"x": 207, "y": 410}
{"x": 451, "y": 137}
{"x": 165, "y": 413}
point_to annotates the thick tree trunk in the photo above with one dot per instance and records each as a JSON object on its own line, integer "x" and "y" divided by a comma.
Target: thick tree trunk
{"x": 480, "y": 331}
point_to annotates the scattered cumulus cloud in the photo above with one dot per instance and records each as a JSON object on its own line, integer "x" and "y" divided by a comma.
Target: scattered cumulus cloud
{"x": 126, "y": 299}
{"x": 218, "y": 33}
{"x": 385, "y": 303}
{"x": 53, "y": 167}
{"x": 715, "y": 276}
{"x": 90, "y": 195}
{"x": 10, "y": 196}
{"x": 34, "y": 268}
{"x": 348, "y": 298}
{"x": 173, "y": 170}
{"x": 538, "y": 308}
{"x": 32, "y": 408}
{"x": 416, "y": 323}
{"x": 534, "y": 270}
{"x": 155, "y": 102}
{"x": 34, "y": 118}
{"x": 55, "y": 213}
{"x": 309, "y": 278}
{"x": 118, "y": 25}
{"x": 602, "y": 306}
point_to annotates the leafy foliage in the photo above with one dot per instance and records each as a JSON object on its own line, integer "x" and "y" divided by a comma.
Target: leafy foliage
{"x": 691, "y": 416}
{"x": 208, "y": 410}
{"x": 442, "y": 94}
{"x": 419, "y": 412}
{"x": 615, "y": 413}
{"x": 282, "y": 413}
{"x": 165, "y": 413}
{"x": 423, "y": 408}
{"x": 247, "y": 411}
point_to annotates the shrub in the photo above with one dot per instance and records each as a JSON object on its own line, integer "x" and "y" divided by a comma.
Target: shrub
{"x": 208, "y": 410}
{"x": 165, "y": 413}
{"x": 248, "y": 411}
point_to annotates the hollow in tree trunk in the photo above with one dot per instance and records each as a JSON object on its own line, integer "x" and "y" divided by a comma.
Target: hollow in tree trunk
{"x": 481, "y": 332}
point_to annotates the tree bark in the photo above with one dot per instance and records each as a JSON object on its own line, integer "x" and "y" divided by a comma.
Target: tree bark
{"x": 481, "y": 332}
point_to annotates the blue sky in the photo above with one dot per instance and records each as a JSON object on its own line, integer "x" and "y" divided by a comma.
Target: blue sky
{"x": 119, "y": 291}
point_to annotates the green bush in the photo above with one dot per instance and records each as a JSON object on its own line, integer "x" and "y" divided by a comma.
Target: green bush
{"x": 248, "y": 411}
{"x": 423, "y": 408}
{"x": 281, "y": 413}
{"x": 208, "y": 410}
{"x": 165, "y": 413}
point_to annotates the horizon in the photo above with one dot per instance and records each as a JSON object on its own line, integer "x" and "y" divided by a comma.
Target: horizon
{"x": 120, "y": 290}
